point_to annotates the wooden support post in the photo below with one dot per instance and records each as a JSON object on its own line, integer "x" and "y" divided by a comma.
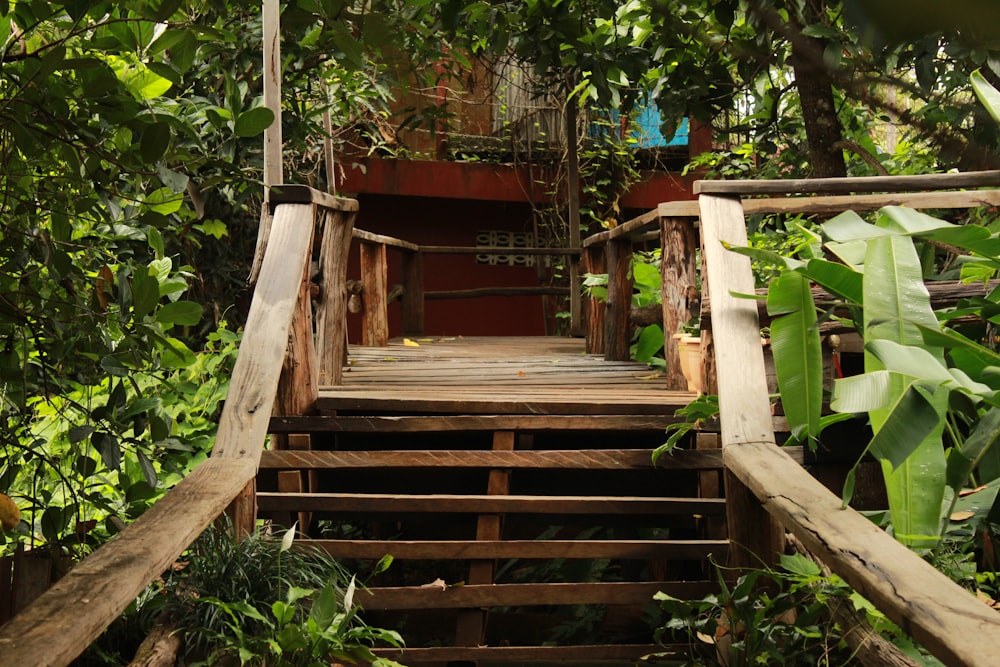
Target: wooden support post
{"x": 573, "y": 218}
{"x": 374, "y": 279}
{"x": 331, "y": 329}
{"x": 471, "y": 624}
{"x": 679, "y": 274}
{"x": 744, "y": 409}
{"x": 413, "y": 294}
{"x": 593, "y": 258}
{"x": 619, "y": 303}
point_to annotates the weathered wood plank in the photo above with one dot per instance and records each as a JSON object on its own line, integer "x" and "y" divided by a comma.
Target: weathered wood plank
{"x": 743, "y": 398}
{"x": 974, "y": 179}
{"x": 618, "y": 254}
{"x": 413, "y": 294}
{"x": 832, "y": 204}
{"x": 578, "y": 459}
{"x": 517, "y": 595}
{"x": 303, "y": 194}
{"x": 247, "y": 411}
{"x": 945, "y": 618}
{"x": 374, "y": 287}
{"x": 578, "y": 655}
{"x": 594, "y": 263}
{"x": 525, "y": 423}
{"x": 465, "y": 402}
{"x": 482, "y": 504}
{"x": 680, "y": 288}
{"x": 627, "y": 229}
{"x": 73, "y": 613}
{"x": 378, "y": 239}
{"x": 531, "y": 549}
{"x": 331, "y": 316}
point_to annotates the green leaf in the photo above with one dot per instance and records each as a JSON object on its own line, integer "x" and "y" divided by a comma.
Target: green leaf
{"x": 987, "y": 94}
{"x": 650, "y": 342}
{"x": 252, "y": 122}
{"x": 185, "y": 313}
{"x": 154, "y": 142}
{"x": 109, "y": 449}
{"x": 145, "y": 292}
{"x": 798, "y": 353}
{"x": 175, "y": 354}
{"x": 839, "y": 280}
{"x": 324, "y": 608}
{"x": 907, "y": 423}
{"x": 849, "y": 226}
{"x": 962, "y": 460}
{"x": 164, "y": 200}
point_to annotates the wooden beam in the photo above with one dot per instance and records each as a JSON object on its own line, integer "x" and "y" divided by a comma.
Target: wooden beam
{"x": 577, "y": 655}
{"x": 303, "y": 194}
{"x": 594, "y": 263}
{"x": 522, "y": 595}
{"x": 68, "y": 617}
{"x": 331, "y": 312}
{"x": 481, "y": 504}
{"x": 412, "y": 306}
{"x": 247, "y": 411}
{"x": 496, "y": 250}
{"x": 945, "y": 618}
{"x": 534, "y": 549}
{"x": 619, "y": 303}
{"x": 609, "y": 459}
{"x": 369, "y": 237}
{"x": 974, "y": 179}
{"x": 637, "y": 225}
{"x": 453, "y": 423}
{"x": 374, "y": 288}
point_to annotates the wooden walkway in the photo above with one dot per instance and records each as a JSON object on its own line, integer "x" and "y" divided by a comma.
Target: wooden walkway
{"x": 503, "y": 375}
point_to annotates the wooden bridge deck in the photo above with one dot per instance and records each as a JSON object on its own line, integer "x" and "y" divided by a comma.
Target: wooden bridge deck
{"x": 501, "y": 375}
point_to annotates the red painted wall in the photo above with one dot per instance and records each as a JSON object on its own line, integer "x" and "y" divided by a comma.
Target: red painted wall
{"x": 436, "y": 221}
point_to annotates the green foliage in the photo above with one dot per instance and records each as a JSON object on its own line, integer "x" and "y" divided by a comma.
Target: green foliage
{"x": 700, "y": 409}
{"x": 259, "y": 600}
{"x": 768, "y": 617}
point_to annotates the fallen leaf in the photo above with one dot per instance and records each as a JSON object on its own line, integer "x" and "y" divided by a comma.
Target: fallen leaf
{"x": 426, "y": 340}
{"x": 521, "y": 374}
{"x": 969, "y": 492}
{"x": 651, "y": 376}
{"x": 962, "y": 516}
{"x": 987, "y": 599}
{"x": 705, "y": 638}
{"x": 437, "y": 583}
{"x": 410, "y": 343}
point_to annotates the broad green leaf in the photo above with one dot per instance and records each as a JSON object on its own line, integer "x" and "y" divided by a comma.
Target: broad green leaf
{"x": 769, "y": 257}
{"x": 145, "y": 292}
{"x": 987, "y": 94}
{"x": 910, "y": 360}
{"x": 164, "y": 200}
{"x": 252, "y": 122}
{"x": 798, "y": 353}
{"x": 851, "y": 253}
{"x": 650, "y": 342}
{"x": 185, "y": 313}
{"x": 861, "y": 393}
{"x": 109, "y": 448}
{"x": 646, "y": 275}
{"x": 896, "y": 300}
{"x": 175, "y": 354}
{"x": 908, "y": 221}
{"x": 841, "y": 281}
{"x": 962, "y": 460}
{"x": 916, "y": 487}
{"x": 907, "y": 423}
{"x": 154, "y": 142}
{"x": 849, "y": 226}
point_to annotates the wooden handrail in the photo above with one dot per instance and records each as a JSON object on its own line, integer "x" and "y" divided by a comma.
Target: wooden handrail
{"x": 974, "y": 179}
{"x": 63, "y": 621}
{"x": 768, "y": 493}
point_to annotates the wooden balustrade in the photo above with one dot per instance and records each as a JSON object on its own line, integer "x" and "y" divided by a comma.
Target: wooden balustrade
{"x": 63, "y": 621}
{"x": 767, "y": 493}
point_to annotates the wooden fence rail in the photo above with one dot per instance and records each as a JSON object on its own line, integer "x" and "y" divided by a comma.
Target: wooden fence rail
{"x": 63, "y": 621}
{"x": 767, "y": 493}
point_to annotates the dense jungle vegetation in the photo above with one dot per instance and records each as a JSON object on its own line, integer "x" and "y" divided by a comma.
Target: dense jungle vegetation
{"x": 130, "y": 169}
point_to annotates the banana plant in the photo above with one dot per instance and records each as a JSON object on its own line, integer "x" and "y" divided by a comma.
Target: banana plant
{"x": 920, "y": 378}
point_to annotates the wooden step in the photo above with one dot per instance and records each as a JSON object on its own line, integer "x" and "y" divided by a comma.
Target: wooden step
{"x": 443, "y": 424}
{"x": 594, "y": 459}
{"x": 386, "y": 503}
{"x": 624, "y": 654}
{"x": 526, "y": 549}
{"x": 465, "y": 596}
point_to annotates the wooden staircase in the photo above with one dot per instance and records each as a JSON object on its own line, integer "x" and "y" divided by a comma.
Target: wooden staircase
{"x": 518, "y": 538}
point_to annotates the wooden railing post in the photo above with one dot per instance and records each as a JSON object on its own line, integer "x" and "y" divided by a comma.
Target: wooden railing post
{"x": 331, "y": 325}
{"x": 619, "y": 304}
{"x": 374, "y": 279}
{"x": 679, "y": 280}
{"x": 413, "y": 294}
{"x": 744, "y": 408}
{"x": 594, "y": 262}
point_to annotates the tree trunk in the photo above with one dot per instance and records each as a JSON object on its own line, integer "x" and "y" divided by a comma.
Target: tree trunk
{"x": 815, "y": 86}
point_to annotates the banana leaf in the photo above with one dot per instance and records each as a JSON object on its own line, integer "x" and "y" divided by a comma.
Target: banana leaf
{"x": 798, "y": 354}
{"x": 896, "y": 301}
